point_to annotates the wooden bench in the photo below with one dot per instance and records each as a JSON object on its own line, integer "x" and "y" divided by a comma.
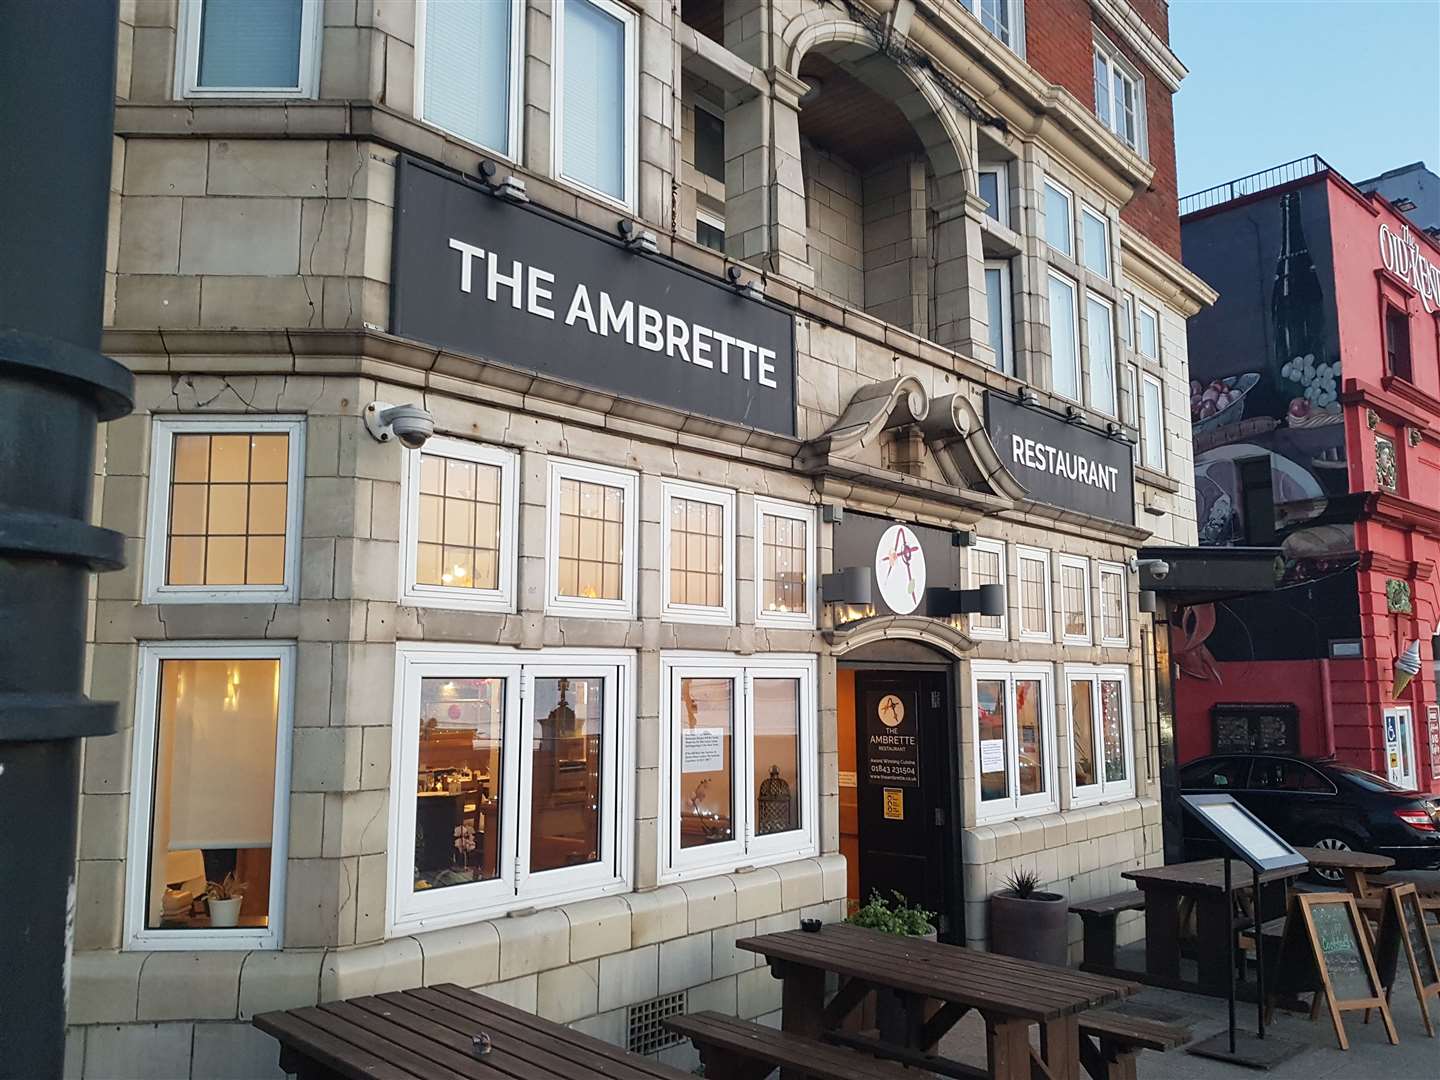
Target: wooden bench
{"x": 1110, "y": 1041}
{"x": 740, "y": 1050}
{"x": 1099, "y": 918}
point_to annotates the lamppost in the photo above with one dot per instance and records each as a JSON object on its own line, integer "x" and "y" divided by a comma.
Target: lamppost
{"x": 57, "y": 98}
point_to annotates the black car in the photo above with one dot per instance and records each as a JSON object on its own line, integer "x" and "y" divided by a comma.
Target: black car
{"x": 1320, "y": 804}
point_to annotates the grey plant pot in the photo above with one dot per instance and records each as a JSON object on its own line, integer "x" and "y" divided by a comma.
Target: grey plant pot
{"x": 1034, "y": 928}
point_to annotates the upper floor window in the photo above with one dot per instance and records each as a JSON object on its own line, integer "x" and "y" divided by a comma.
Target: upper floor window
{"x": 1100, "y": 336}
{"x": 224, "y": 521}
{"x": 468, "y": 67}
{"x": 1064, "y": 338}
{"x": 1032, "y": 573}
{"x": 995, "y": 190}
{"x": 1152, "y": 423}
{"x": 1397, "y": 343}
{"x": 986, "y": 566}
{"x": 1147, "y": 337}
{"x": 998, "y": 304}
{"x": 1119, "y": 96}
{"x": 784, "y": 564}
{"x": 698, "y": 538}
{"x": 710, "y": 230}
{"x": 709, "y": 143}
{"x": 1059, "y": 223}
{"x": 1095, "y": 242}
{"x": 590, "y": 557}
{"x": 1003, "y": 18}
{"x": 248, "y": 48}
{"x": 594, "y": 97}
{"x": 1074, "y": 599}
{"x": 1113, "y": 603}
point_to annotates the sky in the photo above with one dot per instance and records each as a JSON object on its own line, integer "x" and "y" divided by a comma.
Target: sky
{"x": 1355, "y": 81}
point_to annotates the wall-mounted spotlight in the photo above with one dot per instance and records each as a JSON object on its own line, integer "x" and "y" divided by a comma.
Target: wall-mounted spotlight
{"x": 1115, "y": 431}
{"x": 832, "y": 513}
{"x": 636, "y": 238}
{"x": 963, "y": 538}
{"x": 848, "y": 593}
{"x": 410, "y": 425}
{"x": 1026, "y": 396}
{"x": 1073, "y": 415}
{"x": 985, "y": 600}
{"x": 748, "y": 289}
{"x": 511, "y": 188}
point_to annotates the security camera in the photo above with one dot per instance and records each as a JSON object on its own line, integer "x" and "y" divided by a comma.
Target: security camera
{"x": 410, "y": 424}
{"x": 1159, "y": 568}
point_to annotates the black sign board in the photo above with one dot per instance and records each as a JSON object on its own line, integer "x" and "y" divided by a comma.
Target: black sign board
{"x": 517, "y": 285}
{"x": 1060, "y": 463}
{"x": 856, "y": 540}
{"x": 1250, "y": 728}
{"x": 892, "y": 741}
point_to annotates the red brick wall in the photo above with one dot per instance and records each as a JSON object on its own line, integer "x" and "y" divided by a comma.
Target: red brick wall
{"x": 1156, "y": 14}
{"x": 1156, "y": 211}
{"x": 1058, "y": 44}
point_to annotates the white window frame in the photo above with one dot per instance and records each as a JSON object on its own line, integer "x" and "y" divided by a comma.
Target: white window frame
{"x": 1114, "y": 409}
{"x": 787, "y": 620}
{"x": 1075, "y": 331}
{"x": 990, "y": 633}
{"x": 187, "y": 60}
{"x": 1095, "y": 215}
{"x": 670, "y": 610}
{"x": 1064, "y": 193}
{"x": 746, "y": 849}
{"x": 516, "y": 55}
{"x": 579, "y": 606}
{"x": 1116, "y": 63}
{"x": 1005, "y": 362}
{"x": 1083, "y": 564}
{"x": 1102, "y": 790}
{"x": 412, "y": 592}
{"x": 1152, "y": 455}
{"x": 557, "y": 97}
{"x": 714, "y": 220}
{"x": 157, "y": 522}
{"x": 142, "y": 798}
{"x": 1127, "y": 320}
{"x": 409, "y": 911}
{"x": 1116, "y": 570}
{"x": 1001, "y": 169}
{"x": 1015, "y": 805}
{"x": 1041, "y": 557}
{"x": 1016, "y": 44}
{"x": 1143, "y": 310}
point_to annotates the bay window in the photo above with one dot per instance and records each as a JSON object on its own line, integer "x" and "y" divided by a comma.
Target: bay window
{"x": 1032, "y": 574}
{"x": 467, "y": 66}
{"x": 506, "y": 788}
{"x": 1014, "y": 737}
{"x": 458, "y": 515}
{"x": 591, "y": 541}
{"x": 1119, "y": 96}
{"x": 1095, "y": 242}
{"x": 1064, "y": 338}
{"x": 1059, "y": 223}
{"x": 224, "y": 517}
{"x": 1114, "y": 605}
{"x": 697, "y": 536}
{"x": 210, "y": 789}
{"x": 738, "y": 762}
{"x": 594, "y": 96}
{"x": 986, "y": 566}
{"x": 1074, "y": 599}
{"x": 248, "y": 48}
{"x": 1100, "y": 336}
{"x": 1102, "y": 757}
{"x": 785, "y": 574}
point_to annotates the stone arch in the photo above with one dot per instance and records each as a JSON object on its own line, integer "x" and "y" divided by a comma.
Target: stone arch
{"x": 936, "y": 633}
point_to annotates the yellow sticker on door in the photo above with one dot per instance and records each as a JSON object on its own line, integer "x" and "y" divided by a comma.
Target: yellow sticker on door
{"x": 894, "y": 804}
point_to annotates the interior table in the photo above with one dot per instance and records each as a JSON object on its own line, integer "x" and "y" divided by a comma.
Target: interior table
{"x": 1203, "y": 882}
{"x": 937, "y": 985}
{"x": 1353, "y": 866}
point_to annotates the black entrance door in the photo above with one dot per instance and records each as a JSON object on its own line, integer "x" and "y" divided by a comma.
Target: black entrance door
{"x": 902, "y": 758}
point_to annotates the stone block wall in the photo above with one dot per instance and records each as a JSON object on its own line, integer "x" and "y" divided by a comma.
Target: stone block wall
{"x": 835, "y": 225}
{"x": 896, "y": 245}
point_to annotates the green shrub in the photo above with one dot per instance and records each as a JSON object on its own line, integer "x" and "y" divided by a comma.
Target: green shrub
{"x": 893, "y": 916}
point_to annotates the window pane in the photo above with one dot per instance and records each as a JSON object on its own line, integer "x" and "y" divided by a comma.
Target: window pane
{"x": 1082, "y": 731}
{"x": 1064, "y": 351}
{"x": 1096, "y": 238}
{"x": 995, "y": 17}
{"x": 1112, "y": 606}
{"x": 1112, "y": 728}
{"x": 1153, "y": 416}
{"x": 990, "y": 708}
{"x": 986, "y": 569}
{"x": 467, "y": 70}
{"x": 995, "y": 285}
{"x": 1100, "y": 335}
{"x": 784, "y": 553}
{"x": 710, "y": 144}
{"x": 1058, "y": 226}
{"x": 591, "y": 549}
{"x": 250, "y": 43}
{"x": 708, "y": 235}
{"x": 1072, "y": 598}
{"x": 1102, "y": 89}
{"x": 1029, "y": 726}
{"x": 777, "y": 755}
{"x": 707, "y": 754}
{"x": 1149, "y": 343}
{"x": 1034, "y": 604}
{"x": 593, "y": 85}
{"x": 565, "y": 795}
{"x": 212, "y": 814}
{"x": 458, "y": 787}
{"x": 990, "y": 192}
{"x": 696, "y": 532}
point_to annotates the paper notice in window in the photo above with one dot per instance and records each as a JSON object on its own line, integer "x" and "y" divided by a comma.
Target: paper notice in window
{"x": 702, "y": 749}
{"x": 992, "y": 755}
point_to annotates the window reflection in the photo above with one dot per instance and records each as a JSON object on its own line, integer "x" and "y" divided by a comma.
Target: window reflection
{"x": 697, "y": 556}
{"x": 459, "y": 534}
{"x": 228, "y": 509}
{"x": 1082, "y": 731}
{"x": 1112, "y": 724}
{"x": 777, "y": 755}
{"x": 592, "y": 518}
{"x": 565, "y": 772}
{"x": 707, "y": 786}
{"x": 1029, "y": 728}
{"x": 784, "y": 546}
{"x": 990, "y": 704}
{"x": 458, "y": 789}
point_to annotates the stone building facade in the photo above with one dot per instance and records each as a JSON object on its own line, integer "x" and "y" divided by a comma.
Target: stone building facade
{"x": 303, "y": 638}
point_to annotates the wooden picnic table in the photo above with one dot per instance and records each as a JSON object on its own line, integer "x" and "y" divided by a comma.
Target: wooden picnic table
{"x": 938, "y": 984}
{"x": 1353, "y": 866}
{"x": 429, "y": 1034}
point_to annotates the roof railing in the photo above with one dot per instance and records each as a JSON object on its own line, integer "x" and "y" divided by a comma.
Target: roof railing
{"x": 1254, "y": 183}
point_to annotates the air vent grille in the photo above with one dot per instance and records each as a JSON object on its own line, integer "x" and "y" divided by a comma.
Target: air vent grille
{"x": 646, "y": 1032}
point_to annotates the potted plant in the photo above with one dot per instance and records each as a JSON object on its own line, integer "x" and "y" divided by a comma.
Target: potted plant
{"x": 1029, "y": 923}
{"x": 899, "y": 917}
{"x": 223, "y": 899}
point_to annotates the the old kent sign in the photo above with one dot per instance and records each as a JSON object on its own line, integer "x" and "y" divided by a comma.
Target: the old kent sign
{"x": 1063, "y": 464}
{"x": 515, "y": 285}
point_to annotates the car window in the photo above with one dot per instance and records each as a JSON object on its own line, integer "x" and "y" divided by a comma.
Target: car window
{"x": 1215, "y": 773}
{"x": 1367, "y": 780}
{"x": 1280, "y": 774}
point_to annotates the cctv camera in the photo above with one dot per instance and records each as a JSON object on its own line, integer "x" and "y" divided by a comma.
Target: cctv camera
{"x": 410, "y": 424}
{"x": 1159, "y": 569}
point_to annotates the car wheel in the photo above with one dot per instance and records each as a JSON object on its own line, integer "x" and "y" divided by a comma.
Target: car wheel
{"x": 1332, "y": 841}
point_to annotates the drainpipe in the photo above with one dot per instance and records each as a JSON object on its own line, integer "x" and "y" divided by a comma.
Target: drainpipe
{"x": 1327, "y": 708}
{"x": 57, "y": 98}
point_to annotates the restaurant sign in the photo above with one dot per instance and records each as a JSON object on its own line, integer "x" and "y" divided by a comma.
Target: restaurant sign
{"x": 1067, "y": 465}
{"x": 908, "y": 560}
{"x": 1401, "y": 254}
{"x": 522, "y": 287}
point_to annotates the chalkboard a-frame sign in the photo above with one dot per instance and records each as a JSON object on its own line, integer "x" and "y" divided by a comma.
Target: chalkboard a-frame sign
{"x": 1403, "y": 931}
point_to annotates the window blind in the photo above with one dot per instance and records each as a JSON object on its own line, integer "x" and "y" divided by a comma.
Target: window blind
{"x": 593, "y": 82}
{"x": 250, "y": 44}
{"x": 467, "y": 69}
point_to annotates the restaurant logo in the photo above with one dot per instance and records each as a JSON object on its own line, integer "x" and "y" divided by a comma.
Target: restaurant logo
{"x": 892, "y": 711}
{"x": 1401, "y": 254}
{"x": 900, "y": 569}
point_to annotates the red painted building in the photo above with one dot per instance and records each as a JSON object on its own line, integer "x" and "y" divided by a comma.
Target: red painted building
{"x": 1315, "y": 405}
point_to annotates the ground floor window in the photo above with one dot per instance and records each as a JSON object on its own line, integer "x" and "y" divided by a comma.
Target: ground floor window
{"x": 209, "y": 794}
{"x": 738, "y": 754}
{"x": 1014, "y": 736}
{"x": 507, "y": 784}
{"x": 1101, "y": 753}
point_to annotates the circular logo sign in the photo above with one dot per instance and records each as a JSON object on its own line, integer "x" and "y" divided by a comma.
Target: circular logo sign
{"x": 900, "y": 569}
{"x": 891, "y": 710}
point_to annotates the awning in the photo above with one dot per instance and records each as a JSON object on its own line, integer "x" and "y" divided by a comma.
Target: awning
{"x": 1203, "y": 575}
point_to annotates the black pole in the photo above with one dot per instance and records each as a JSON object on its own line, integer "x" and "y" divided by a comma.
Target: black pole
{"x": 1259, "y": 959}
{"x": 1230, "y": 954}
{"x": 57, "y": 96}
